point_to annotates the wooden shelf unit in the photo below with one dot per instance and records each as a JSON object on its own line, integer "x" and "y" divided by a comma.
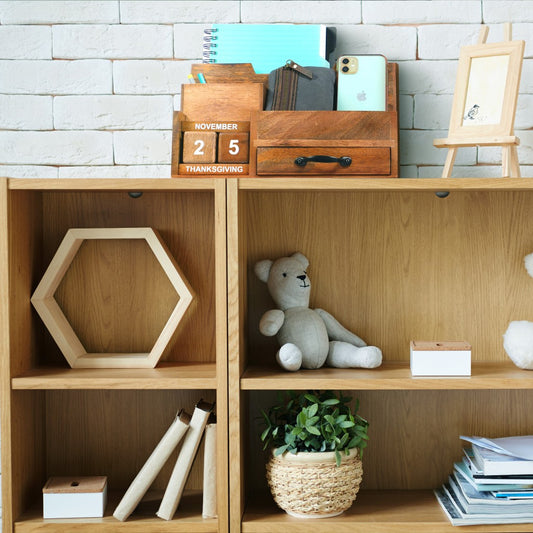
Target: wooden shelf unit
{"x": 393, "y": 262}
{"x": 388, "y": 258}
{"x": 62, "y": 421}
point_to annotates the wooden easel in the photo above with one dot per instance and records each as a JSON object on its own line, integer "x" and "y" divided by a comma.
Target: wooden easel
{"x": 497, "y": 135}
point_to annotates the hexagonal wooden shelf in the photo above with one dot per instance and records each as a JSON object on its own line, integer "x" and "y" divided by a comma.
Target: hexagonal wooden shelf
{"x": 58, "y": 325}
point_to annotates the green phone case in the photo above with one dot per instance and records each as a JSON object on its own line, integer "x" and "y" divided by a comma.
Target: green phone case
{"x": 362, "y": 83}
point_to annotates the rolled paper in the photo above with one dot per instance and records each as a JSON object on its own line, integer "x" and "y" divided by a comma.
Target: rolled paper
{"x": 183, "y": 465}
{"x": 152, "y": 466}
{"x": 209, "y": 503}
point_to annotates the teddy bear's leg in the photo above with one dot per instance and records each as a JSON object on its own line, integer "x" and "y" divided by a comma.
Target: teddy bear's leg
{"x": 289, "y": 357}
{"x": 345, "y": 355}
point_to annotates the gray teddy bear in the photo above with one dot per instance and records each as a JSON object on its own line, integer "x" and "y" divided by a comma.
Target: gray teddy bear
{"x": 309, "y": 338}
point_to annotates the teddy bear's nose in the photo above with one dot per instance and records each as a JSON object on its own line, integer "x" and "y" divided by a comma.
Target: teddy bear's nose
{"x": 302, "y": 277}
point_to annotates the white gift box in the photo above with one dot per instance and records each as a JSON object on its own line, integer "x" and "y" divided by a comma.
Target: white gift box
{"x": 67, "y": 497}
{"x": 440, "y": 358}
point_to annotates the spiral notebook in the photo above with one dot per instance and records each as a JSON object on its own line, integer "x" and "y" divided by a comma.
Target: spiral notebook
{"x": 268, "y": 46}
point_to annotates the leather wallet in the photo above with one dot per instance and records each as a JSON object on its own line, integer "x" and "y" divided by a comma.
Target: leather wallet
{"x": 296, "y": 88}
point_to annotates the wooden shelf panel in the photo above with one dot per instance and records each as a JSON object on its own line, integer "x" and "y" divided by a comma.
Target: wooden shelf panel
{"x": 96, "y": 184}
{"x": 368, "y": 183}
{"x": 188, "y": 519}
{"x": 390, "y": 376}
{"x": 372, "y": 512}
{"x": 164, "y": 376}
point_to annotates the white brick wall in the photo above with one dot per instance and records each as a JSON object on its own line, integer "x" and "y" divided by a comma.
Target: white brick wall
{"x": 104, "y": 76}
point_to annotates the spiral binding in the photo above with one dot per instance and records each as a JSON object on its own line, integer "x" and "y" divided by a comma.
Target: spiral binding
{"x": 208, "y": 45}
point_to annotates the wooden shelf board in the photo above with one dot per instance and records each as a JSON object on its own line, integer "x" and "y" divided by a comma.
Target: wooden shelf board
{"x": 414, "y": 511}
{"x": 389, "y": 376}
{"x": 188, "y": 519}
{"x": 95, "y": 184}
{"x": 386, "y": 184}
{"x": 164, "y": 376}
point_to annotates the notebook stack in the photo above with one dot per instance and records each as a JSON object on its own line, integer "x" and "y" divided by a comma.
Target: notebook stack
{"x": 493, "y": 484}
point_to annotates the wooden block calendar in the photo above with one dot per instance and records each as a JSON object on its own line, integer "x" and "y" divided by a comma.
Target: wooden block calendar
{"x": 211, "y": 134}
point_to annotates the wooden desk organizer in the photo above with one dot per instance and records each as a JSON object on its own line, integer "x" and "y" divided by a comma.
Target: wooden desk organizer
{"x": 351, "y": 143}
{"x": 211, "y": 133}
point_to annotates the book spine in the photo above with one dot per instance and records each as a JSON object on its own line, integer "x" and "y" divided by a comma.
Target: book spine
{"x": 209, "y": 46}
{"x": 152, "y": 466}
{"x": 209, "y": 503}
{"x": 183, "y": 465}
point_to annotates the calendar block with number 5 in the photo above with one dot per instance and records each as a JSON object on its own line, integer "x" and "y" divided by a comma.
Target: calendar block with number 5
{"x": 199, "y": 146}
{"x": 233, "y": 147}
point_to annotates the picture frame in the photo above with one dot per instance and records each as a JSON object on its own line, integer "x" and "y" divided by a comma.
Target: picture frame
{"x": 486, "y": 90}
{"x": 485, "y": 99}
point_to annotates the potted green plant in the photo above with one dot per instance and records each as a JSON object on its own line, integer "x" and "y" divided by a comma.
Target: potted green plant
{"x": 317, "y": 443}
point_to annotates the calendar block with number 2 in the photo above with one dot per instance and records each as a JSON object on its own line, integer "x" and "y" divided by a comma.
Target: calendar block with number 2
{"x": 199, "y": 147}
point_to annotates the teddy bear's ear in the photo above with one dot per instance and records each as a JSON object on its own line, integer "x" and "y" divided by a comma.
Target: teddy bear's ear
{"x": 301, "y": 259}
{"x": 528, "y": 261}
{"x": 262, "y": 269}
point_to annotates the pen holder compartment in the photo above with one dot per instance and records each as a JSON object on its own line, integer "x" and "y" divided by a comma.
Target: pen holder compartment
{"x": 211, "y": 133}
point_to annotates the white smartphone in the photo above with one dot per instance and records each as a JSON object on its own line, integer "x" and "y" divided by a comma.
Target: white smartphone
{"x": 362, "y": 83}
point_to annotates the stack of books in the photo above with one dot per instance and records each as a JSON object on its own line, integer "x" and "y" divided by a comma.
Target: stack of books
{"x": 493, "y": 484}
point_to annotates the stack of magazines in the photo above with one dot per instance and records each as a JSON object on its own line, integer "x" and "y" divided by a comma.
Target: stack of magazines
{"x": 493, "y": 484}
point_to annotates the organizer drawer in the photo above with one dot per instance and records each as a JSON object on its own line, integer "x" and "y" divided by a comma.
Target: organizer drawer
{"x": 324, "y": 160}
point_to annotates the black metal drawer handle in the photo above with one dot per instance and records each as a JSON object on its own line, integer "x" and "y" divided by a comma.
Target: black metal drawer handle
{"x": 343, "y": 161}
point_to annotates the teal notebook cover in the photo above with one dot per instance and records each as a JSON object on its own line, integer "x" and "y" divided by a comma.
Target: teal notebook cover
{"x": 266, "y": 46}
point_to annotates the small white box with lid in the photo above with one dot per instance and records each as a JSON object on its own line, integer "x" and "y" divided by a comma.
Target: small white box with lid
{"x": 69, "y": 497}
{"x": 440, "y": 358}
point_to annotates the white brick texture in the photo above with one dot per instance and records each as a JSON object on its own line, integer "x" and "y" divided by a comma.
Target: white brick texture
{"x": 22, "y": 112}
{"x": 150, "y": 77}
{"x": 58, "y": 11}
{"x": 91, "y": 76}
{"x": 116, "y": 171}
{"x": 432, "y": 111}
{"x": 363, "y": 39}
{"x": 416, "y": 148}
{"x": 112, "y": 112}
{"x": 315, "y": 11}
{"x": 443, "y": 41}
{"x": 434, "y": 77}
{"x": 507, "y": 10}
{"x": 25, "y": 42}
{"x": 28, "y": 171}
{"x": 115, "y": 41}
{"x": 56, "y": 147}
{"x": 169, "y": 11}
{"x": 421, "y": 11}
{"x": 188, "y": 41}
{"x": 142, "y": 147}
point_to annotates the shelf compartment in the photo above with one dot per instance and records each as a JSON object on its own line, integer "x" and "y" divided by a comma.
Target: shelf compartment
{"x": 186, "y": 221}
{"x": 372, "y": 512}
{"x": 188, "y": 519}
{"x": 389, "y": 376}
{"x": 164, "y": 376}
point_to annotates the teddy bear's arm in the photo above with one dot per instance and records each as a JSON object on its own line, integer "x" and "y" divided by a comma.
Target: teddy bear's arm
{"x": 271, "y": 322}
{"x": 337, "y": 332}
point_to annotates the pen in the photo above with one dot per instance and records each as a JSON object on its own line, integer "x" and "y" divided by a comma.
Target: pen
{"x": 190, "y": 77}
{"x": 201, "y": 78}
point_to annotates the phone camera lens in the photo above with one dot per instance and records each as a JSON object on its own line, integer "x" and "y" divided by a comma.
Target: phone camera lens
{"x": 345, "y": 69}
{"x": 345, "y": 61}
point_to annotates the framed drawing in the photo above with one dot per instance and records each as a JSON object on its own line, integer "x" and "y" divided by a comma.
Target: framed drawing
{"x": 484, "y": 103}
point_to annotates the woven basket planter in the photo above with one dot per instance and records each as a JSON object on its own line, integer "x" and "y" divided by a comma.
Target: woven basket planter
{"x": 310, "y": 485}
